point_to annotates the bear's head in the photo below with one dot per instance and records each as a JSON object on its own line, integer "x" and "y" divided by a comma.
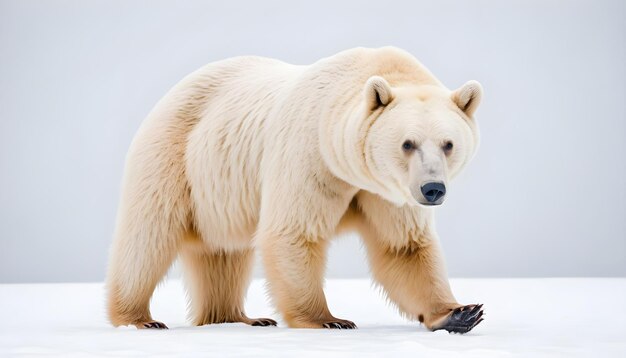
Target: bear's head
{"x": 419, "y": 138}
{"x": 410, "y": 140}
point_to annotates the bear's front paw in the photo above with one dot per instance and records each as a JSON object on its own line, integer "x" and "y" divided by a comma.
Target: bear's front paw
{"x": 339, "y": 324}
{"x": 462, "y": 319}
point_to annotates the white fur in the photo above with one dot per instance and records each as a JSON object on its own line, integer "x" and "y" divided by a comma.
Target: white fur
{"x": 253, "y": 147}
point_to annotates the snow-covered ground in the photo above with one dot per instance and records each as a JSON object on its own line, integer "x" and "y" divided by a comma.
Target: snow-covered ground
{"x": 524, "y": 318}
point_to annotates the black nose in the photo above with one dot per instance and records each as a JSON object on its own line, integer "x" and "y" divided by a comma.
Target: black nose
{"x": 433, "y": 191}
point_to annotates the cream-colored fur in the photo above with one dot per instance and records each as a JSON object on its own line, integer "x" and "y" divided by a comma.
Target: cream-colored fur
{"x": 252, "y": 153}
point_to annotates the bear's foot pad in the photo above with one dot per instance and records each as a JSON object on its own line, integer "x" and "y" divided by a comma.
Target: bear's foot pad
{"x": 151, "y": 325}
{"x": 462, "y": 319}
{"x": 262, "y": 322}
{"x": 339, "y": 324}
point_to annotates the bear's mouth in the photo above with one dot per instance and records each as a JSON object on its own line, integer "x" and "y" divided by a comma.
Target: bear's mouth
{"x": 431, "y": 204}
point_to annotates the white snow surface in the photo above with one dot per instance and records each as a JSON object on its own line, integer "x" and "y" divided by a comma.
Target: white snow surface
{"x": 568, "y": 317}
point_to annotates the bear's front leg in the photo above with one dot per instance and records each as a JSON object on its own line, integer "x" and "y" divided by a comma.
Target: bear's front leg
{"x": 294, "y": 266}
{"x": 414, "y": 278}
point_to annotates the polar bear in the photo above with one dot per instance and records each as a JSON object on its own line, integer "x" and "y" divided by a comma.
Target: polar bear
{"x": 253, "y": 153}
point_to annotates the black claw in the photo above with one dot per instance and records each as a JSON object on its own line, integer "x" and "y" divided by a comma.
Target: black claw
{"x": 477, "y": 316}
{"x": 339, "y": 325}
{"x": 263, "y": 322}
{"x": 475, "y": 309}
{"x": 473, "y": 315}
{"x": 157, "y": 325}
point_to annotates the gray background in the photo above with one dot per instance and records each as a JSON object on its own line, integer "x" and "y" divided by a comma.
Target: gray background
{"x": 545, "y": 196}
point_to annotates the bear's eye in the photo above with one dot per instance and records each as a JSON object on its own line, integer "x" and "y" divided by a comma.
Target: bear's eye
{"x": 408, "y": 146}
{"x": 448, "y": 146}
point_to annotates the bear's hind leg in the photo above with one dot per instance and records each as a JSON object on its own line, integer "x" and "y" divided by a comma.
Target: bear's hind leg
{"x": 217, "y": 283}
{"x": 133, "y": 275}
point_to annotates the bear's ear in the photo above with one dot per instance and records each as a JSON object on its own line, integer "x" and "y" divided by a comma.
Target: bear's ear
{"x": 468, "y": 97}
{"x": 377, "y": 92}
